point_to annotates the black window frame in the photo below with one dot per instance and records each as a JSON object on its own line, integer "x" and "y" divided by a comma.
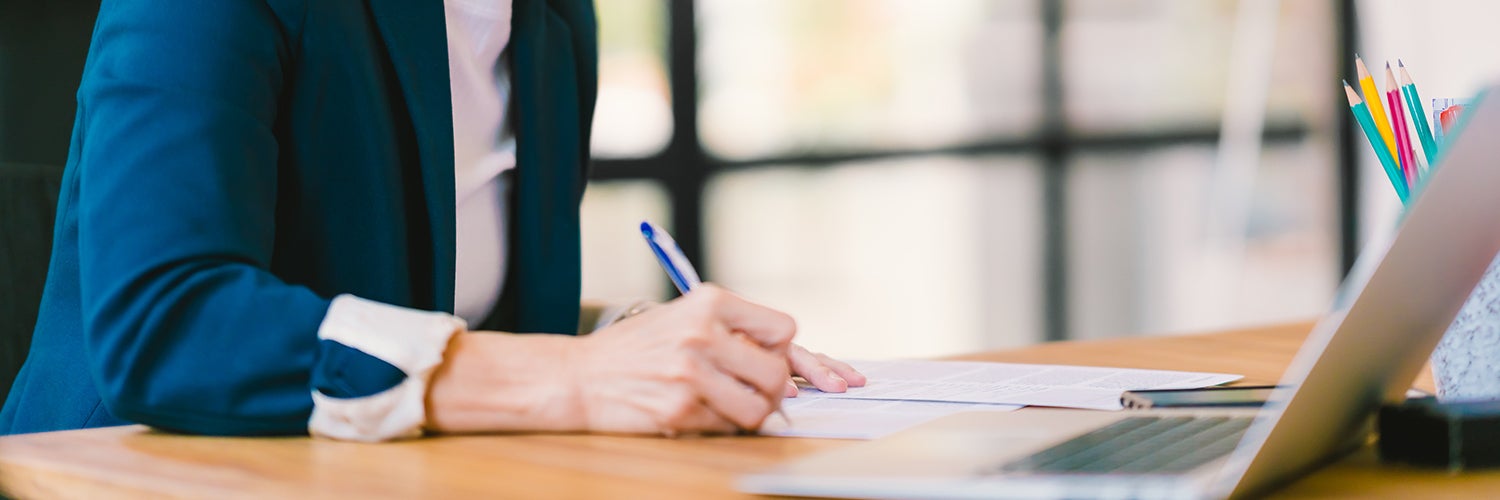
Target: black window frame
{"x": 684, "y": 168}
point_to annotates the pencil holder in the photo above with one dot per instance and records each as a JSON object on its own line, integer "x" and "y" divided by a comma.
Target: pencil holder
{"x": 1466, "y": 363}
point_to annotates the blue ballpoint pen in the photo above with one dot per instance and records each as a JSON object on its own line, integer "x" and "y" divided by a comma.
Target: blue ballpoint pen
{"x": 678, "y": 268}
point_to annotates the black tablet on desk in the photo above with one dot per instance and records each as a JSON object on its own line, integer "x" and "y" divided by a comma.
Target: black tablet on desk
{"x": 1243, "y": 396}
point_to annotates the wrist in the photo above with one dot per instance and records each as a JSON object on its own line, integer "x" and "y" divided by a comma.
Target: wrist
{"x": 375, "y": 364}
{"x": 492, "y": 381}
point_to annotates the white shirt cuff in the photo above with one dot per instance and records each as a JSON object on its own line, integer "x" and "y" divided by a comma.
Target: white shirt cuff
{"x": 409, "y": 339}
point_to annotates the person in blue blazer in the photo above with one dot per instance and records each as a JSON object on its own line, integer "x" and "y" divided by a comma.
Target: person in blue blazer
{"x": 267, "y": 223}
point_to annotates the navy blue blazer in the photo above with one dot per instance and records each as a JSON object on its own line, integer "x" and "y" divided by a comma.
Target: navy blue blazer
{"x": 237, "y": 163}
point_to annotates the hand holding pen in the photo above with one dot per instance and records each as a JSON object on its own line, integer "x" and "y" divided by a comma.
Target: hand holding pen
{"x": 823, "y": 372}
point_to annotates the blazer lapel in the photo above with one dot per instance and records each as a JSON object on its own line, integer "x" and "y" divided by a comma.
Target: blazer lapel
{"x": 416, "y": 39}
{"x": 550, "y": 41}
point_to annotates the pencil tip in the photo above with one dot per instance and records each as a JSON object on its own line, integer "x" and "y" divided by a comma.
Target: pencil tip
{"x": 1346, "y": 82}
{"x": 1387, "y": 65}
{"x": 1400, "y": 63}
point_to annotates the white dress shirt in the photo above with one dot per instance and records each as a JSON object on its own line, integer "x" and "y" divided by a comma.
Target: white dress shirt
{"x": 484, "y": 148}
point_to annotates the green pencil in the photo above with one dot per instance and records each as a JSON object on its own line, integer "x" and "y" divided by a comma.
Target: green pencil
{"x": 1367, "y": 122}
{"x": 1414, "y": 103}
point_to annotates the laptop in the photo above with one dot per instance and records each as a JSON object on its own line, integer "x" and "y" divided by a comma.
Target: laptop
{"x": 1390, "y": 313}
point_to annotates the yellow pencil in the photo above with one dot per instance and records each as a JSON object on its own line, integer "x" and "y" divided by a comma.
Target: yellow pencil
{"x": 1373, "y": 98}
{"x": 1367, "y": 123}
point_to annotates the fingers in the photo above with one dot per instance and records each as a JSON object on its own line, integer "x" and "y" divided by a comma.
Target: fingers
{"x": 791, "y": 388}
{"x": 823, "y": 372}
{"x": 735, "y": 379}
{"x": 696, "y": 417}
{"x": 750, "y": 381}
{"x": 761, "y": 370}
{"x": 733, "y": 401}
{"x": 768, "y": 327}
{"x": 842, "y": 369}
{"x": 807, "y": 365}
{"x": 730, "y": 362}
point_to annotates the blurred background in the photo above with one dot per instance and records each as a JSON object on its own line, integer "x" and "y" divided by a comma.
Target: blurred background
{"x": 914, "y": 178}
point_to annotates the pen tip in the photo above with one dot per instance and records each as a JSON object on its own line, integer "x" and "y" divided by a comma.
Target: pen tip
{"x": 646, "y": 229}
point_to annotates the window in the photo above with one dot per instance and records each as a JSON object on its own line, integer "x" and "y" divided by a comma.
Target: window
{"x": 633, "y": 114}
{"x": 914, "y": 180}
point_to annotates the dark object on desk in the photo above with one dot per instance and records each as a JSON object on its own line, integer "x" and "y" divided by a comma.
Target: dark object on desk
{"x": 1455, "y": 435}
{"x": 1243, "y": 396}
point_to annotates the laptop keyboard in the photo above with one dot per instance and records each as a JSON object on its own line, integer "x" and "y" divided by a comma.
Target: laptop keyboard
{"x": 1138, "y": 445}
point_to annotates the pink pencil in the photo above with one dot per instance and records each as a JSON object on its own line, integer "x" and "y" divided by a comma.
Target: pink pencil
{"x": 1398, "y": 122}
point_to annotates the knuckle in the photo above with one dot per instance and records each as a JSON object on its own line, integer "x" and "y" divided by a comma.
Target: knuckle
{"x": 788, "y": 325}
{"x": 695, "y": 339}
{"x": 696, "y": 315}
{"x": 774, "y": 379}
{"x": 710, "y": 290}
{"x": 682, "y": 371}
{"x": 753, "y": 418}
{"x": 680, "y": 409}
{"x": 771, "y": 383}
{"x": 703, "y": 295}
{"x": 717, "y": 297}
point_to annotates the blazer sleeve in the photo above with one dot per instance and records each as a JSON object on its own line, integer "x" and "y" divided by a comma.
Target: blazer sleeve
{"x": 185, "y": 327}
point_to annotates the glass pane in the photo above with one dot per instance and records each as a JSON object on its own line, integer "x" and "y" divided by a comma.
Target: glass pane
{"x": 633, "y": 115}
{"x": 1142, "y": 258}
{"x": 1154, "y": 64}
{"x": 899, "y": 258}
{"x": 617, "y": 265}
{"x": 785, "y": 76}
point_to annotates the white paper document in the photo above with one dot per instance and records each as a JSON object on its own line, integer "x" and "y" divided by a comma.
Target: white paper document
{"x": 860, "y": 418}
{"x": 1011, "y": 383}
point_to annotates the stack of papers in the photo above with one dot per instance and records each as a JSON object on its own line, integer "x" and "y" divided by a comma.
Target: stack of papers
{"x": 860, "y": 418}
{"x": 903, "y": 393}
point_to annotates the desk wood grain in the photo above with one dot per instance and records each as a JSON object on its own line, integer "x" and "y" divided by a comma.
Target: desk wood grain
{"x": 135, "y": 462}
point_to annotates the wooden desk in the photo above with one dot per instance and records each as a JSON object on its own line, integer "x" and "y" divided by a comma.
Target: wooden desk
{"x": 133, "y": 461}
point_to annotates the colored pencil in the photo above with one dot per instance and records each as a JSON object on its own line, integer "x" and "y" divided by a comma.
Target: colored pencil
{"x": 1373, "y": 97}
{"x": 1407, "y": 158}
{"x": 1367, "y": 123}
{"x": 1418, "y": 116}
